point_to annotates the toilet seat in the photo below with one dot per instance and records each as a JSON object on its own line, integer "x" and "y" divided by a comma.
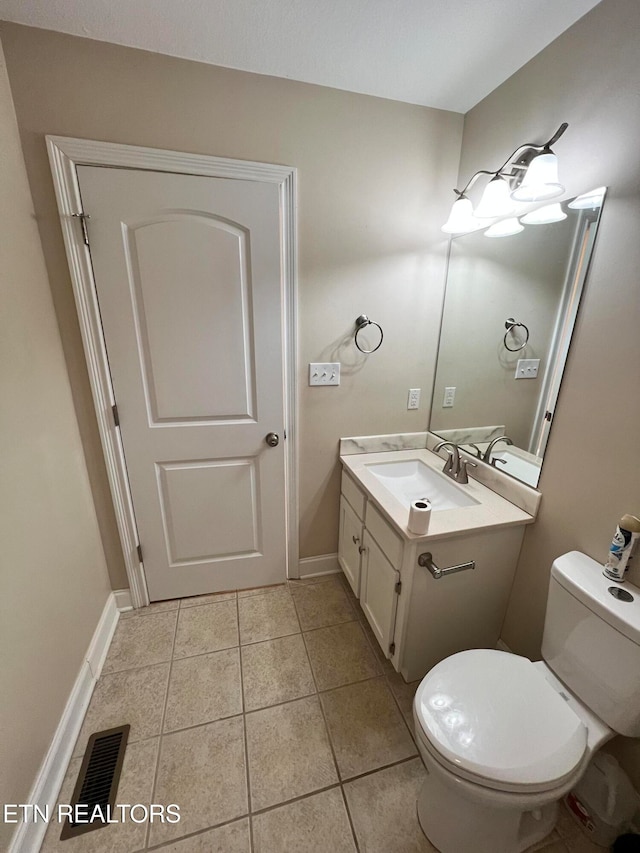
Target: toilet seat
{"x": 492, "y": 718}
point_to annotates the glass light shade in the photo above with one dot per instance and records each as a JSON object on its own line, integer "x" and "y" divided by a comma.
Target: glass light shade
{"x": 544, "y": 215}
{"x": 461, "y": 219}
{"x": 540, "y": 180}
{"x": 589, "y": 200}
{"x": 505, "y": 228}
{"x": 496, "y": 200}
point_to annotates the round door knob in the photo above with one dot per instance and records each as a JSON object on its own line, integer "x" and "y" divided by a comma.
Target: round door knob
{"x": 272, "y": 439}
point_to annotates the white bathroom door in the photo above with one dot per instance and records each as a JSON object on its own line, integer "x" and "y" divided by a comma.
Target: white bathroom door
{"x": 189, "y": 284}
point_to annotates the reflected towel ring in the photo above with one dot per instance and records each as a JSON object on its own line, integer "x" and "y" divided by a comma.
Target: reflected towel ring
{"x": 361, "y": 323}
{"x": 510, "y": 325}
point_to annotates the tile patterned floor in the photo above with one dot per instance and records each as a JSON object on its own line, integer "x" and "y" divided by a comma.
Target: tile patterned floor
{"x": 272, "y": 717}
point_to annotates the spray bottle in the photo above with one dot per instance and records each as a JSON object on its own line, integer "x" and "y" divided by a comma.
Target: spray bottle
{"x": 622, "y": 547}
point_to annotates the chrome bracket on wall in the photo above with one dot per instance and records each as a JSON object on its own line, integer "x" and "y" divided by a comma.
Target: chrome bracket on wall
{"x": 426, "y": 561}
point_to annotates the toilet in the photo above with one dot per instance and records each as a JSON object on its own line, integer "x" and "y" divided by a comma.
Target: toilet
{"x": 503, "y": 738}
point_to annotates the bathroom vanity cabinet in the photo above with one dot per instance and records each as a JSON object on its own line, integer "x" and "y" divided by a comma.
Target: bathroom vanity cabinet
{"x": 418, "y": 619}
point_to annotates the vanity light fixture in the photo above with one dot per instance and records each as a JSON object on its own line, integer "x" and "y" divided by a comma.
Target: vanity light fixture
{"x": 496, "y": 199}
{"x": 541, "y": 179}
{"x": 505, "y": 228}
{"x": 545, "y": 215}
{"x": 588, "y": 201}
{"x": 530, "y": 173}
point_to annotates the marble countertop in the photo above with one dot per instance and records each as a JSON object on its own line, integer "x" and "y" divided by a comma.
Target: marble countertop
{"x": 490, "y": 511}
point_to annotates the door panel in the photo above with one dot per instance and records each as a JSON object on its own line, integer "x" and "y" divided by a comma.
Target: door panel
{"x": 350, "y": 539}
{"x": 189, "y": 284}
{"x": 231, "y": 531}
{"x": 209, "y": 320}
{"x": 378, "y": 597}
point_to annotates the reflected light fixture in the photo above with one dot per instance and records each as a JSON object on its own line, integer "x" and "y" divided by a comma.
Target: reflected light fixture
{"x": 530, "y": 173}
{"x": 461, "y": 219}
{"x": 505, "y": 228}
{"x": 545, "y": 215}
{"x": 589, "y": 200}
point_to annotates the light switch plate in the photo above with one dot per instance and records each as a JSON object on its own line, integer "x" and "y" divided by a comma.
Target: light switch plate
{"x": 527, "y": 368}
{"x": 324, "y": 373}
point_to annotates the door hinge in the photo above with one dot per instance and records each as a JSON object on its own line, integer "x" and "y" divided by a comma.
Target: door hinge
{"x": 82, "y": 218}
{"x": 139, "y": 550}
{"x": 398, "y": 587}
{"x": 392, "y": 649}
{"x": 548, "y": 416}
{"x": 116, "y": 416}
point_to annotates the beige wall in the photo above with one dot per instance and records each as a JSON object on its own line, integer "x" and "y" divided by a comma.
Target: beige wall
{"x": 374, "y": 178}
{"x": 589, "y": 77}
{"x": 54, "y": 580}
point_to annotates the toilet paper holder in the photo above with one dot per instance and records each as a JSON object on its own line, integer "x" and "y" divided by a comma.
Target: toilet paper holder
{"x": 426, "y": 561}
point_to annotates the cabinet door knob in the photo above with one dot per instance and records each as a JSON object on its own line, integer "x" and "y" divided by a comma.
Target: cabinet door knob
{"x": 362, "y": 549}
{"x": 356, "y": 539}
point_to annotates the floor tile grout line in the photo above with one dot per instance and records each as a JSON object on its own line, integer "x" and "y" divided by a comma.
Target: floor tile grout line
{"x": 382, "y": 767}
{"x": 338, "y": 784}
{"x": 206, "y": 603}
{"x": 162, "y": 721}
{"x": 391, "y": 690}
{"x": 396, "y": 700}
{"x": 244, "y": 732}
{"x": 298, "y": 799}
{"x": 164, "y": 844}
{"x": 324, "y": 718}
{"x": 349, "y": 818}
{"x": 204, "y": 654}
{"x": 322, "y": 627}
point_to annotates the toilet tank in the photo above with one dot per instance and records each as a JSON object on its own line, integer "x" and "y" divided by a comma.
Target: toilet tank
{"x": 592, "y": 640}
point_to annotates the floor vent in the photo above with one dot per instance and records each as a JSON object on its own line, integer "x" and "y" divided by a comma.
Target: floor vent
{"x": 97, "y": 783}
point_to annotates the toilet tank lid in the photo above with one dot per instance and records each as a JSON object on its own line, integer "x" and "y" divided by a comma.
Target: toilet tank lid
{"x": 582, "y": 577}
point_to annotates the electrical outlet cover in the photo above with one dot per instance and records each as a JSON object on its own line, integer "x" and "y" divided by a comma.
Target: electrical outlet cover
{"x": 449, "y": 397}
{"x": 413, "y": 400}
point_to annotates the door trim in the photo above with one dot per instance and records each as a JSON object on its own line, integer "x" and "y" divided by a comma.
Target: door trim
{"x": 65, "y": 154}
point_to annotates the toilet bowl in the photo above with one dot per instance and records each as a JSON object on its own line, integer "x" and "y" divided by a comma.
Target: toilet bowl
{"x": 503, "y": 739}
{"x": 501, "y": 745}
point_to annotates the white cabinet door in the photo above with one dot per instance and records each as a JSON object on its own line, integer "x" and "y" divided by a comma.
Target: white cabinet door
{"x": 378, "y": 596}
{"x": 349, "y": 544}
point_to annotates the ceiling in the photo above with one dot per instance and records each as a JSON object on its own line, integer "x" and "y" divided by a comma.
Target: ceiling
{"x": 439, "y": 53}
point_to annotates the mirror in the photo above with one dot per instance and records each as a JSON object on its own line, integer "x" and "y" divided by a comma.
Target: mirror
{"x": 509, "y": 311}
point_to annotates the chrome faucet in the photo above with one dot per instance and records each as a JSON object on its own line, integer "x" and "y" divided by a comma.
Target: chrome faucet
{"x": 455, "y": 466}
{"x": 486, "y": 456}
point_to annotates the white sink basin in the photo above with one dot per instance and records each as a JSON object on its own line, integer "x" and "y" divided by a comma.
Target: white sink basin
{"x": 412, "y": 480}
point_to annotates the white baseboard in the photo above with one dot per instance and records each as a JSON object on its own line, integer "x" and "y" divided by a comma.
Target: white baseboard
{"x": 312, "y": 567}
{"x": 28, "y": 836}
{"x": 123, "y": 599}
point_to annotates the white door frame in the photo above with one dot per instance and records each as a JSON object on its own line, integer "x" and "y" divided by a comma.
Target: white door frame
{"x": 65, "y": 154}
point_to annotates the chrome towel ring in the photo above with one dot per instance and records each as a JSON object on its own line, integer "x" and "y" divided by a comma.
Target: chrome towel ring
{"x": 510, "y": 325}
{"x": 361, "y": 323}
